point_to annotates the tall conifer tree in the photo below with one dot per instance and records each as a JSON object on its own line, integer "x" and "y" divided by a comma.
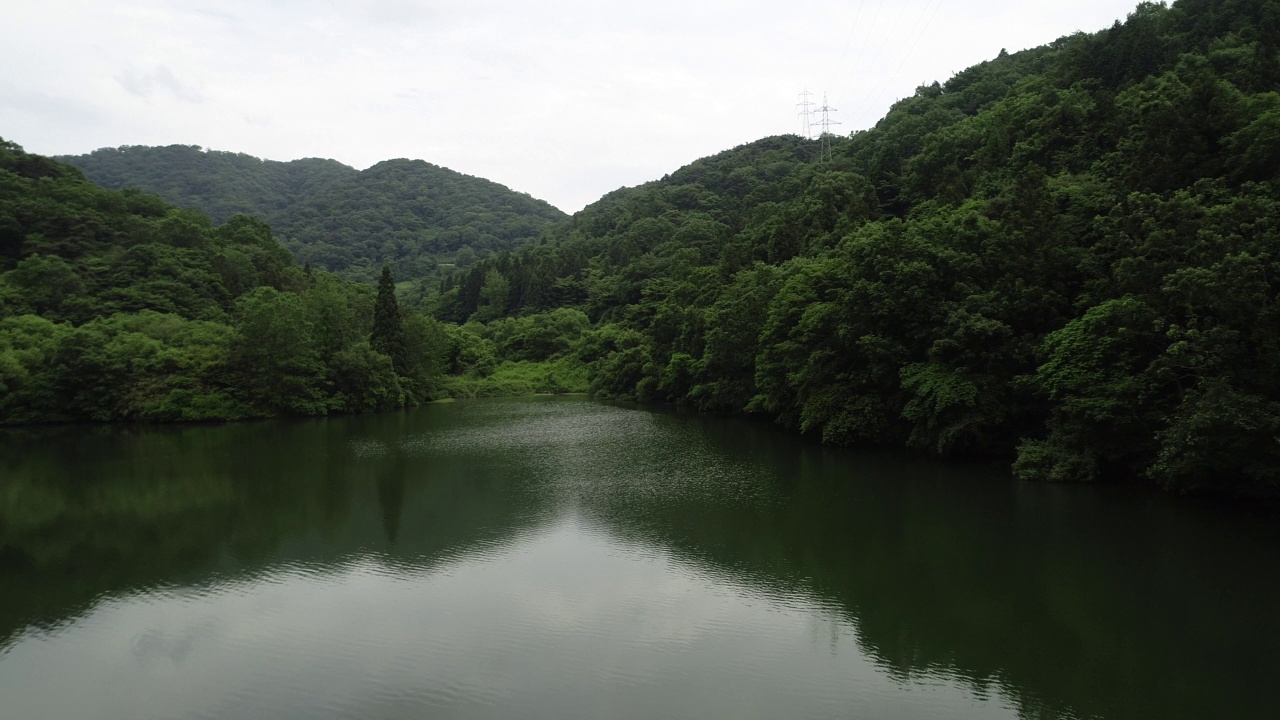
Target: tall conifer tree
{"x": 388, "y": 330}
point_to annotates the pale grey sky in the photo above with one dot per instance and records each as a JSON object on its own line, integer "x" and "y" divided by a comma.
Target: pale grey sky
{"x": 562, "y": 99}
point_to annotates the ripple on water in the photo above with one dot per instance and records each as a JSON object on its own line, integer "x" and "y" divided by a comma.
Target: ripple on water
{"x": 366, "y": 448}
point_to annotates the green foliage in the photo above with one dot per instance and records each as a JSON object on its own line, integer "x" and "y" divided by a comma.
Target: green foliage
{"x": 274, "y": 355}
{"x": 538, "y": 337}
{"x": 725, "y": 378}
{"x": 365, "y": 380}
{"x": 495, "y": 294}
{"x": 469, "y": 352}
{"x": 621, "y": 360}
{"x": 426, "y": 356}
{"x": 28, "y": 346}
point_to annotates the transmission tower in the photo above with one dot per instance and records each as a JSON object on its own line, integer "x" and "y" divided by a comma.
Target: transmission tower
{"x": 826, "y": 122}
{"x": 806, "y": 113}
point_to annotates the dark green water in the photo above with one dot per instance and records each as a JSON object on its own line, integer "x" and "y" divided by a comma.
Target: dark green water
{"x": 558, "y": 558}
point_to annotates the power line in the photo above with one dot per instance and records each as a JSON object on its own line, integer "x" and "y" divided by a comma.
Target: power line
{"x": 847, "y": 42}
{"x": 862, "y": 48}
{"x": 903, "y": 56}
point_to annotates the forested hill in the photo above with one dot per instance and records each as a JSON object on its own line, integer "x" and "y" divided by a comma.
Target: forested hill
{"x": 406, "y": 212}
{"x": 116, "y": 306}
{"x": 1066, "y": 256}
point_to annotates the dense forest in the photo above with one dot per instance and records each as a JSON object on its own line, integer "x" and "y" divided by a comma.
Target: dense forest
{"x": 406, "y": 212}
{"x": 116, "y": 306}
{"x": 1065, "y": 256}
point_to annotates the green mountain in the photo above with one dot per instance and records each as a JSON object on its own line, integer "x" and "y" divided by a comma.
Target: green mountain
{"x": 1066, "y": 256}
{"x": 116, "y": 306}
{"x": 405, "y": 212}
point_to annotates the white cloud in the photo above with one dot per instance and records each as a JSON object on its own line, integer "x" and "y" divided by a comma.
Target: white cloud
{"x": 146, "y": 84}
{"x": 564, "y": 99}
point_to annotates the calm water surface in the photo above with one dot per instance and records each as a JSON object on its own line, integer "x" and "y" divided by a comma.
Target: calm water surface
{"x": 559, "y": 558}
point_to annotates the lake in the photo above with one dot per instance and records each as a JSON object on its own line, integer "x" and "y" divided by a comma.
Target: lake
{"x": 562, "y": 558}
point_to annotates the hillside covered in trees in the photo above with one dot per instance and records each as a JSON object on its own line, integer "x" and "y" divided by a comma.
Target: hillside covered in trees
{"x": 1065, "y": 256}
{"x": 116, "y": 306}
{"x": 406, "y": 212}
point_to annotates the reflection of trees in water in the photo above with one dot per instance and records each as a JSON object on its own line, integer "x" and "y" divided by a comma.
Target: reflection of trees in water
{"x": 1073, "y": 601}
{"x": 87, "y": 513}
{"x": 120, "y": 509}
{"x": 391, "y": 500}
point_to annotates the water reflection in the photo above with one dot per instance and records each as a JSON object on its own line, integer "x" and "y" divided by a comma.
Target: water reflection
{"x": 571, "y": 559}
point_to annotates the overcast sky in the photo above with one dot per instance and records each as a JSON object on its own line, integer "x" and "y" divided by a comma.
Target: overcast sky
{"x": 562, "y": 99}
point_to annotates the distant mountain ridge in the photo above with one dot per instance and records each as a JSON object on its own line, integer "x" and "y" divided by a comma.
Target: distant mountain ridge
{"x": 409, "y": 213}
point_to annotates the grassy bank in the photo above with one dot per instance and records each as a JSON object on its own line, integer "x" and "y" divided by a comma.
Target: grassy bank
{"x": 566, "y": 375}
